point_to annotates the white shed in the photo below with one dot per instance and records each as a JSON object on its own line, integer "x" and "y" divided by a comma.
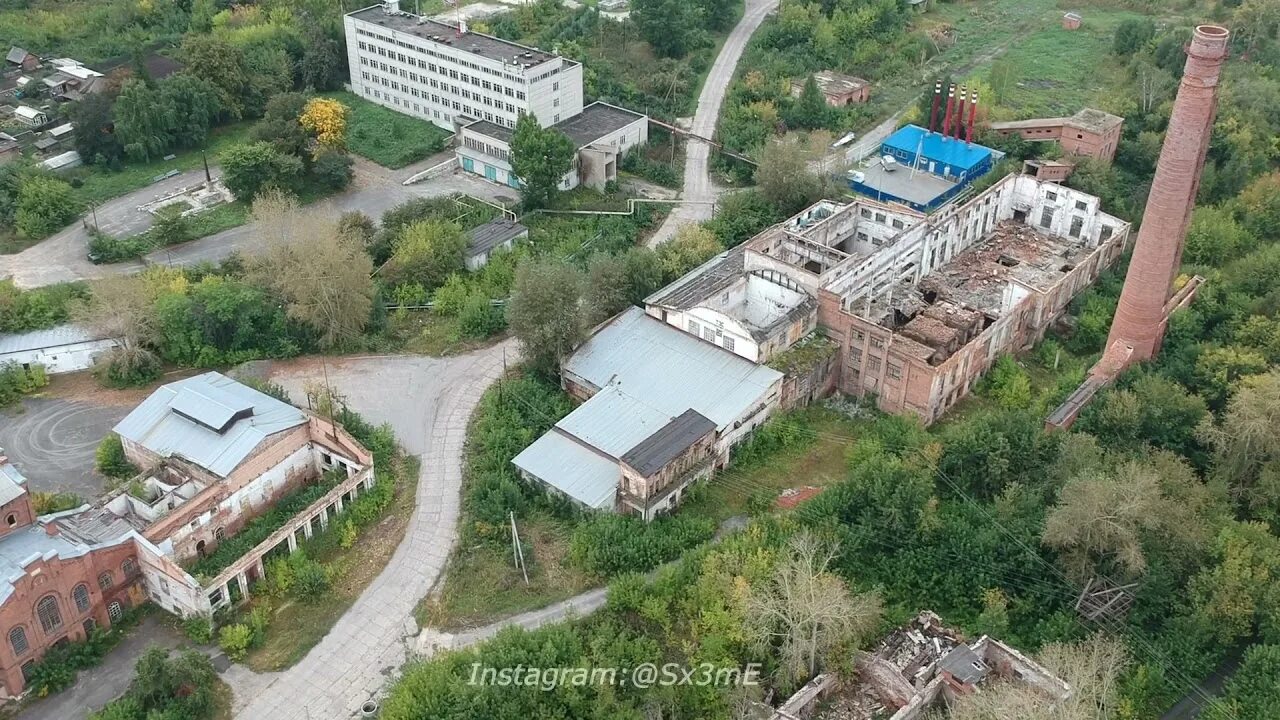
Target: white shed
{"x": 30, "y": 115}
{"x": 61, "y": 349}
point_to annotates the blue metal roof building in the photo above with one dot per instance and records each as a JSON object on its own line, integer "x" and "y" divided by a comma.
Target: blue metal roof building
{"x": 948, "y": 166}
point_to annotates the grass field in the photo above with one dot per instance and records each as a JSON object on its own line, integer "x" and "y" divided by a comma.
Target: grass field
{"x": 101, "y": 184}
{"x": 483, "y": 585}
{"x": 385, "y": 136}
{"x": 818, "y": 462}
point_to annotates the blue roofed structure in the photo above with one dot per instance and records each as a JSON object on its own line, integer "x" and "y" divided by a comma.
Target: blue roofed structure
{"x": 932, "y": 169}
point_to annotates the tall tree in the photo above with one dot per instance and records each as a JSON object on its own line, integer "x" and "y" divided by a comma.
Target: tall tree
{"x": 806, "y": 612}
{"x": 1104, "y": 518}
{"x": 810, "y": 111}
{"x": 1246, "y": 445}
{"x": 322, "y": 274}
{"x": 545, "y": 312}
{"x": 195, "y": 106}
{"x": 95, "y": 134}
{"x": 326, "y": 120}
{"x": 427, "y": 252}
{"x": 785, "y": 179}
{"x": 145, "y": 120}
{"x": 248, "y": 169}
{"x": 123, "y": 308}
{"x": 221, "y": 63}
{"x": 541, "y": 157}
{"x": 672, "y": 27}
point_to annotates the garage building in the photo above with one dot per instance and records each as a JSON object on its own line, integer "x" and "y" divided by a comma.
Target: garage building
{"x": 61, "y": 349}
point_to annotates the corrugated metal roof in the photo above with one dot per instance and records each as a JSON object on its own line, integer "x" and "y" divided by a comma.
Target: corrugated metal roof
{"x": 670, "y": 370}
{"x": 48, "y": 338}
{"x": 613, "y": 422}
{"x": 156, "y": 426}
{"x": 18, "y": 549}
{"x": 659, "y": 449}
{"x": 483, "y": 238}
{"x": 12, "y": 483}
{"x": 572, "y": 469}
{"x": 946, "y": 151}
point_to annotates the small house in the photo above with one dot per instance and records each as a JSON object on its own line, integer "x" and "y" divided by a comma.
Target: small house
{"x": 482, "y": 241}
{"x": 1071, "y": 21}
{"x": 21, "y": 58}
{"x": 30, "y": 116}
{"x": 838, "y": 89}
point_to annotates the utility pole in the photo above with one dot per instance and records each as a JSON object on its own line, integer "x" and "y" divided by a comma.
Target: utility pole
{"x": 517, "y": 550}
{"x": 205, "y": 158}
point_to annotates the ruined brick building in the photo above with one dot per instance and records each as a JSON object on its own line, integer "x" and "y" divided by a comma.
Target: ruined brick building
{"x": 921, "y": 306}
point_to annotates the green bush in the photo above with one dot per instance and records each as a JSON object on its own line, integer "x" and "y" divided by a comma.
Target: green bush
{"x": 109, "y": 458}
{"x": 199, "y": 629}
{"x": 23, "y": 310}
{"x": 479, "y": 318}
{"x": 312, "y": 581}
{"x": 16, "y": 381}
{"x": 106, "y": 249}
{"x": 259, "y": 618}
{"x": 167, "y": 688}
{"x": 57, "y": 669}
{"x": 613, "y": 544}
{"x": 235, "y": 640}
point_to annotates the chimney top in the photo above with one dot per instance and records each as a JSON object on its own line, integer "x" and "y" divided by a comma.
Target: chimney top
{"x": 1209, "y": 42}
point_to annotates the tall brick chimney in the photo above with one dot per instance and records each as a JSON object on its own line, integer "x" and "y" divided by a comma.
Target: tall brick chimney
{"x": 1141, "y": 316}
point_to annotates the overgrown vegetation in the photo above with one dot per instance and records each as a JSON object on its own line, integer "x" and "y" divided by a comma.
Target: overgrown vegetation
{"x": 16, "y": 381}
{"x": 385, "y": 136}
{"x": 182, "y": 686}
{"x": 56, "y": 670}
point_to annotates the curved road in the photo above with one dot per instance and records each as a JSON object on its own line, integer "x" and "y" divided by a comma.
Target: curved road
{"x": 697, "y": 180}
{"x": 374, "y": 190}
{"x": 428, "y": 401}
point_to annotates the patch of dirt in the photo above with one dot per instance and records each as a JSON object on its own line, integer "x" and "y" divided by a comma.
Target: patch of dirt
{"x": 84, "y": 387}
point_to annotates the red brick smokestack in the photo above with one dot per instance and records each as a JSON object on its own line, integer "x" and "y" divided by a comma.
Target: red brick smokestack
{"x": 933, "y": 114}
{"x": 958, "y": 131}
{"x": 946, "y": 122}
{"x": 1141, "y": 316}
{"x": 973, "y": 117}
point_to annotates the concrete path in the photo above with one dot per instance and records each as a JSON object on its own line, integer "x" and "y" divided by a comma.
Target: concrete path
{"x": 429, "y": 402}
{"x": 697, "y": 178}
{"x": 99, "y": 685}
{"x": 431, "y": 641}
{"x": 375, "y": 189}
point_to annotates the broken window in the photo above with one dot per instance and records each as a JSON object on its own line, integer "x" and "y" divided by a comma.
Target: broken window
{"x": 1077, "y": 224}
{"x": 898, "y": 224}
{"x": 873, "y": 364}
{"x": 1051, "y": 195}
{"x": 1082, "y": 205}
{"x": 877, "y": 343}
{"x": 1046, "y": 217}
{"x": 895, "y": 371}
{"x": 1106, "y": 233}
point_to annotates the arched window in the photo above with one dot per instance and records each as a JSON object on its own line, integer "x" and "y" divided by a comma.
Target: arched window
{"x": 219, "y": 533}
{"x": 104, "y": 580}
{"x": 47, "y": 611}
{"x": 81, "y": 595}
{"x": 115, "y": 611}
{"x": 89, "y": 626}
{"x": 18, "y": 640}
{"x": 128, "y": 566}
{"x": 27, "y": 667}
{"x": 11, "y": 519}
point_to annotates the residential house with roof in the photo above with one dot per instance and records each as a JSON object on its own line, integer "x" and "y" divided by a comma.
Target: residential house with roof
{"x": 61, "y": 349}
{"x": 20, "y": 58}
{"x": 661, "y": 409}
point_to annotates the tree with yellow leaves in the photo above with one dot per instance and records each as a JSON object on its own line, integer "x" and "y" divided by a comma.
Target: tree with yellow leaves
{"x": 326, "y": 120}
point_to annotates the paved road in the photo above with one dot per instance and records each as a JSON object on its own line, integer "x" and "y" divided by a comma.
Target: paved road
{"x": 429, "y": 402}
{"x": 52, "y": 441}
{"x": 61, "y": 258}
{"x": 99, "y": 685}
{"x": 697, "y": 178}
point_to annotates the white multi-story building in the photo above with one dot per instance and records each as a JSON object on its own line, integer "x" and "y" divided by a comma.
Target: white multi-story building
{"x": 450, "y": 76}
{"x": 477, "y": 86}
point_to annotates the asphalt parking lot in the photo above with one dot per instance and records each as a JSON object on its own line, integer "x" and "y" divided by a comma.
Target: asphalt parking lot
{"x": 52, "y": 442}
